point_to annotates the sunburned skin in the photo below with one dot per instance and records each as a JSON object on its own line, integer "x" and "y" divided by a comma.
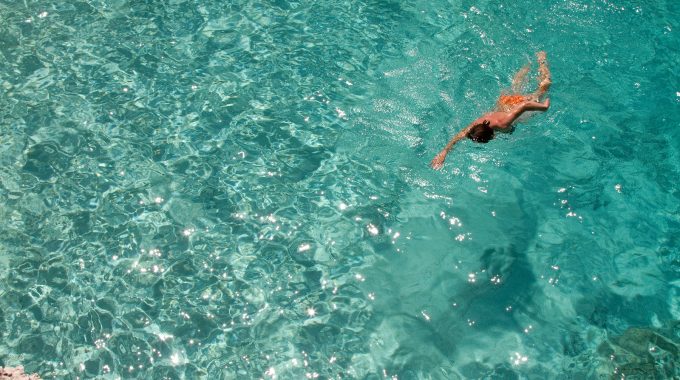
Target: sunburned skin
{"x": 508, "y": 109}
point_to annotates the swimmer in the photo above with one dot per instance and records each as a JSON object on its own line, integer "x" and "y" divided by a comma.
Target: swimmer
{"x": 508, "y": 108}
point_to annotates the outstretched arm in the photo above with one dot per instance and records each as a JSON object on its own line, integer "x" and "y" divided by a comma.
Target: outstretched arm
{"x": 438, "y": 160}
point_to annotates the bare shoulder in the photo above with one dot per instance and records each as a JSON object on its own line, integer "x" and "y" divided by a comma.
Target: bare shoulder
{"x": 499, "y": 120}
{"x": 495, "y": 117}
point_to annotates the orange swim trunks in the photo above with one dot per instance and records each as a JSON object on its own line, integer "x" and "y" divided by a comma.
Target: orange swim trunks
{"x": 511, "y": 100}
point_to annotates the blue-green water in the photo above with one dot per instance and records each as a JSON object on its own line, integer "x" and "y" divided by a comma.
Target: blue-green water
{"x": 241, "y": 190}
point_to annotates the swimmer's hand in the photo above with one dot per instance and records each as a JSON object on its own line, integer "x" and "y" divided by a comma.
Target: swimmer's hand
{"x": 438, "y": 160}
{"x": 546, "y": 104}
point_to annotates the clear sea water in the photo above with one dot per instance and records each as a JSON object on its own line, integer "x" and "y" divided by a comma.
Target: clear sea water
{"x": 240, "y": 189}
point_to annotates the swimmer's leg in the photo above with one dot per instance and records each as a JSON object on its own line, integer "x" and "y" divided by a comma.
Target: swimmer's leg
{"x": 544, "y": 80}
{"x": 520, "y": 79}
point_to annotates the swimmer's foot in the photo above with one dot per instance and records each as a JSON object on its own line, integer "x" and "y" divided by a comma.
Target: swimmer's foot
{"x": 544, "y": 80}
{"x": 541, "y": 57}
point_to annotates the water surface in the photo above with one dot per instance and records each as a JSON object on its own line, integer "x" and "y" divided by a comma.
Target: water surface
{"x": 241, "y": 190}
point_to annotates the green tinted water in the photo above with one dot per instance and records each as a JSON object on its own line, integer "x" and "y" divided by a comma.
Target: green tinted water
{"x": 241, "y": 190}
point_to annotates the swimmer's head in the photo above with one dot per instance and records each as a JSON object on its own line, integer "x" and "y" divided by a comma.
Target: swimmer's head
{"x": 481, "y": 132}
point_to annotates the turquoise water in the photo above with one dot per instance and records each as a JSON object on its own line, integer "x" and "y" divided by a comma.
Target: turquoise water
{"x": 241, "y": 190}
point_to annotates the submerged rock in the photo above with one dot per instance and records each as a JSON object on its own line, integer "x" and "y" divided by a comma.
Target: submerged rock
{"x": 644, "y": 353}
{"x": 16, "y": 373}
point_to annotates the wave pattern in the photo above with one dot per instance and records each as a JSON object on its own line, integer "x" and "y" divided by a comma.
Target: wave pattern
{"x": 240, "y": 190}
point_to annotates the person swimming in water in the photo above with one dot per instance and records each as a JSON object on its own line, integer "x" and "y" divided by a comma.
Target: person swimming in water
{"x": 508, "y": 108}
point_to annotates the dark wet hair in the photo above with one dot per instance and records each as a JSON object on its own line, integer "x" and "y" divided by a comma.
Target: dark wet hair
{"x": 481, "y": 132}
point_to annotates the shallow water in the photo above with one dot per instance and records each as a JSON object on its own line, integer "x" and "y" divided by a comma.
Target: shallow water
{"x": 242, "y": 190}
